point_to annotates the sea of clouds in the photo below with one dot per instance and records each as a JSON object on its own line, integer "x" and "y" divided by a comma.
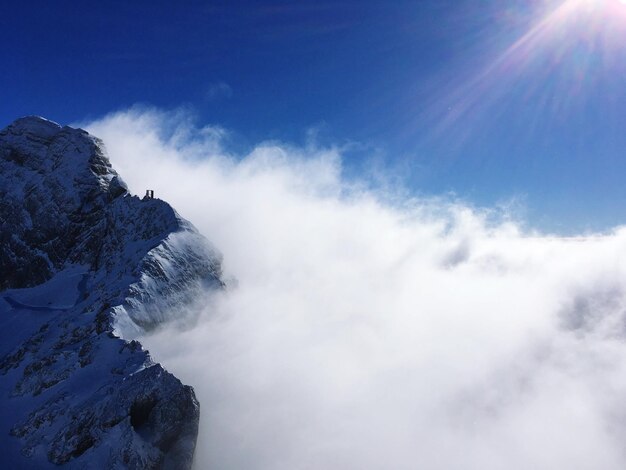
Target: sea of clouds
{"x": 368, "y": 330}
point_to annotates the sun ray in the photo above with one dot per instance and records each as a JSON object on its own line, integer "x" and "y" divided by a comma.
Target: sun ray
{"x": 569, "y": 48}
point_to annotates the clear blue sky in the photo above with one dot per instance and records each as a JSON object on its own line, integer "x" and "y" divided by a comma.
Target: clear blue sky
{"x": 489, "y": 99}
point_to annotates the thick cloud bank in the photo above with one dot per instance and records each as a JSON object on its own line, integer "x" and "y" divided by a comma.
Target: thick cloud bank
{"x": 367, "y": 332}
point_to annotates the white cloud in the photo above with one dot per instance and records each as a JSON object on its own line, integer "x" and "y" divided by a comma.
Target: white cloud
{"x": 370, "y": 335}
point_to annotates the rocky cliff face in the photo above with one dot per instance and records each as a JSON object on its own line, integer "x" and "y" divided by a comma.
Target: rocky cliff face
{"x": 84, "y": 267}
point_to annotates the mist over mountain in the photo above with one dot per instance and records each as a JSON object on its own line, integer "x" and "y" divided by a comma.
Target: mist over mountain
{"x": 86, "y": 267}
{"x": 373, "y": 330}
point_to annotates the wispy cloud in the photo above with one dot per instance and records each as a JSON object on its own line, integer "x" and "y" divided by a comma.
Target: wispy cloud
{"x": 218, "y": 90}
{"x": 370, "y": 335}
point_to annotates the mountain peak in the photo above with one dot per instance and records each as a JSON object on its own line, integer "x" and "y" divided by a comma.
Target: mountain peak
{"x": 35, "y": 125}
{"x": 55, "y": 186}
{"x": 63, "y": 204}
{"x": 86, "y": 267}
{"x": 62, "y": 153}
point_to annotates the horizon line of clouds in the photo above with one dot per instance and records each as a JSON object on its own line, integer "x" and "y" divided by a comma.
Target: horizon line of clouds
{"x": 177, "y": 128}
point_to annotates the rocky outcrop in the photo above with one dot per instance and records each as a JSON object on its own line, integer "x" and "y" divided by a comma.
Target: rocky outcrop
{"x": 85, "y": 267}
{"x": 56, "y": 185}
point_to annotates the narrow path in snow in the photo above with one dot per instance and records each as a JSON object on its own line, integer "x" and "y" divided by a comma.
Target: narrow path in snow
{"x": 20, "y": 306}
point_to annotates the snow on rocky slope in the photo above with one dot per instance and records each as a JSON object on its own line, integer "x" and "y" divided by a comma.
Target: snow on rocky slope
{"x": 84, "y": 268}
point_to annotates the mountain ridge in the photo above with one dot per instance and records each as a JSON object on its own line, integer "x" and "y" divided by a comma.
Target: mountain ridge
{"x": 86, "y": 267}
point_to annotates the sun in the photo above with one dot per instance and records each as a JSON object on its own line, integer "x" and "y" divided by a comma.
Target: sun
{"x": 570, "y": 48}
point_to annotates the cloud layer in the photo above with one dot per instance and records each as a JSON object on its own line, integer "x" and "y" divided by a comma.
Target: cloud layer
{"x": 368, "y": 331}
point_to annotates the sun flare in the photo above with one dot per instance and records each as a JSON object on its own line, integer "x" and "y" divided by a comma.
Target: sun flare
{"x": 569, "y": 50}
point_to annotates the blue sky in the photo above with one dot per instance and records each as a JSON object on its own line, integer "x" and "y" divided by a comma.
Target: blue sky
{"x": 492, "y": 100}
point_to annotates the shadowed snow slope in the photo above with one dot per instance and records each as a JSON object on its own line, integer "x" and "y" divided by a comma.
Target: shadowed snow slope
{"x": 85, "y": 267}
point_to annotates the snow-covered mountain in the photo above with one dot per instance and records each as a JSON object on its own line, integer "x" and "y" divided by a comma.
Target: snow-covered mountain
{"x": 84, "y": 268}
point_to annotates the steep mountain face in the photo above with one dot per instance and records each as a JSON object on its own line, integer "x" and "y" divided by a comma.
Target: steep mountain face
{"x": 84, "y": 268}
